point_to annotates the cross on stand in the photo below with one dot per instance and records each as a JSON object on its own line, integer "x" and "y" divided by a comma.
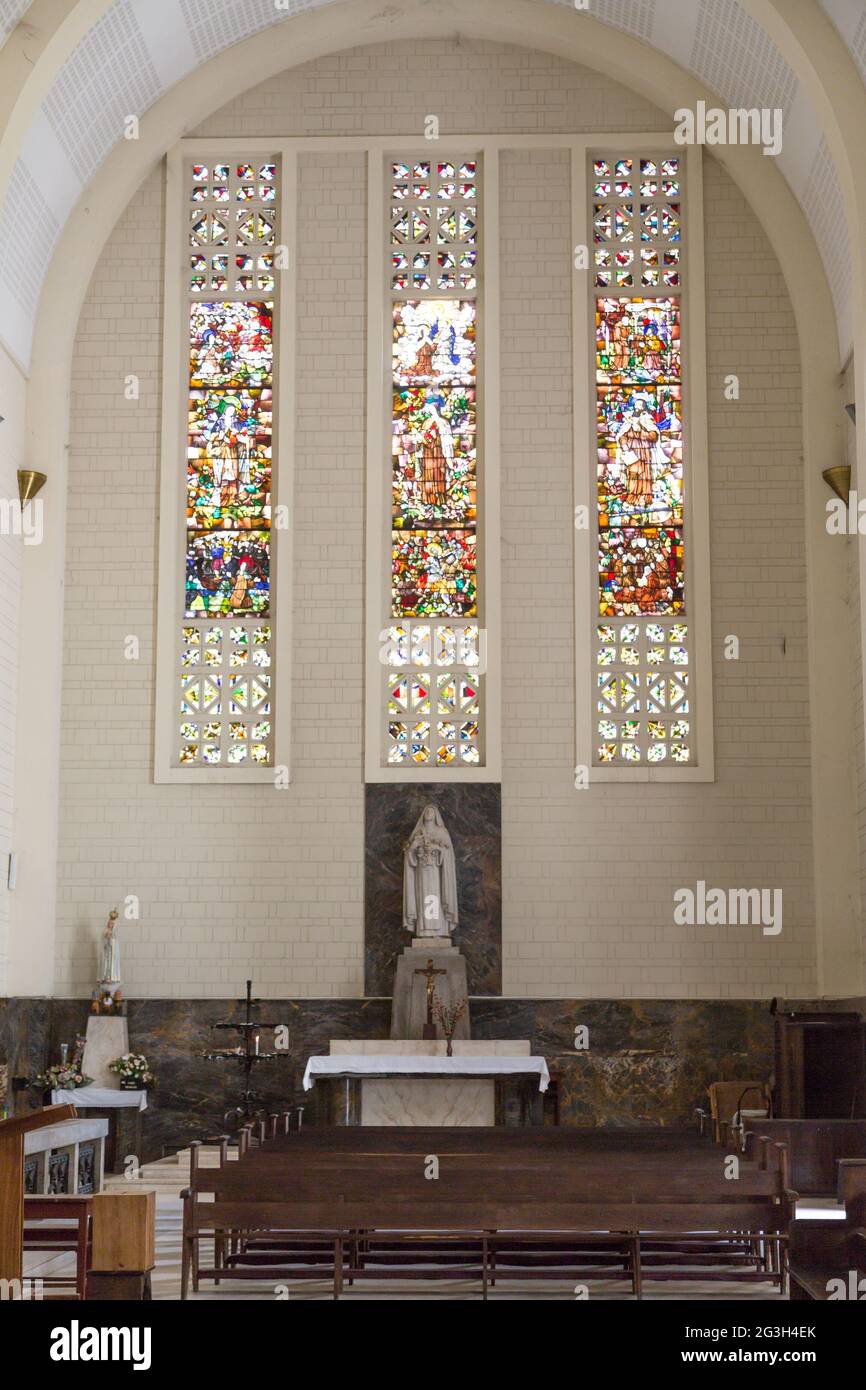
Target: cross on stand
{"x": 430, "y": 973}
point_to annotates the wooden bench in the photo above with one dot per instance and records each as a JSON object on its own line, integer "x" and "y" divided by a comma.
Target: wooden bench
{"x": 564, "y": 1206}
{"x": 828, "y": 1257}
{"x": 814, "y": 1148}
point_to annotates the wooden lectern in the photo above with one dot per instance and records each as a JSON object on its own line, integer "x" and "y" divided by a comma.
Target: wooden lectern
{"x": 12, "y": 1134}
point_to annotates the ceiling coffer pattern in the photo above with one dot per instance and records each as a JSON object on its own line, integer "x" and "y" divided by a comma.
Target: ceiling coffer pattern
{"x": 140, "y": 48}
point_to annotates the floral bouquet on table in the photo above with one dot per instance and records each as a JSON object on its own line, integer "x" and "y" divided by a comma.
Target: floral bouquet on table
{"x": 134, "y": 1071}
{"x": 448, "y": 1016}
{"x": 63, "y": 1076}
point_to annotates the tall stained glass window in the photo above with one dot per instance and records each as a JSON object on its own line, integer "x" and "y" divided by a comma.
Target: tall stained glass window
{"x": 225, "y": 644}
{"x": 432, "y": 695}
{"x": 643, "y": 696}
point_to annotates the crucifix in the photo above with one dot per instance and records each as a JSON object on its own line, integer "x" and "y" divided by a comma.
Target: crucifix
{"x": 430, "y": 973}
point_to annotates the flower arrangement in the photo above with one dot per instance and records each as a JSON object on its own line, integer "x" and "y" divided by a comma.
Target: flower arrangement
{"x": 134, "y": 1071}
{"x": 63, "y": 1076}
{"x": 448, "y": 1016}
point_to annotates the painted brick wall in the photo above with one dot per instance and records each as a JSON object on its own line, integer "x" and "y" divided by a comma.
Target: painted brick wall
{"x": 11, "y": 556}
{"x": 239, "y": 881}
{"x": 590, "y": 875}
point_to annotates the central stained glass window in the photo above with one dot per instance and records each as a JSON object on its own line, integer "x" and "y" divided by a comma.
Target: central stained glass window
{"x": 433, "y": 714}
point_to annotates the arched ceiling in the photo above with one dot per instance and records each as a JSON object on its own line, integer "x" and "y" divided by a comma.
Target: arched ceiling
{"x": 138, "y": 49}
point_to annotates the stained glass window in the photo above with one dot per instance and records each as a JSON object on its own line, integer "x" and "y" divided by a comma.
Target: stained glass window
{"x": 641, "y": 677}
{"x": 433, "y": 266}
{"x": 226, "y": 640}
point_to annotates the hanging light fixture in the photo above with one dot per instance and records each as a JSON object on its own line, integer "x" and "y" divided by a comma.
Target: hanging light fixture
{"x": 29, "y": 484}
{"x": 838, "y": 479}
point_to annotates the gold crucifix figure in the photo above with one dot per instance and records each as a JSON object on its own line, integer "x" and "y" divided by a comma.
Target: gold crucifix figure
{"x": 430, "y": 973}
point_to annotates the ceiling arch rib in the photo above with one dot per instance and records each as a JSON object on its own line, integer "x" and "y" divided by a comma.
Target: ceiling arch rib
{"x": 11, "y": 11}
{"x": 138, "y": 49}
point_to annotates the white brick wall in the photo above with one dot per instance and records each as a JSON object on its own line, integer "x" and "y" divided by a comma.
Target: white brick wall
{"x": 12, "y": 388}
{"x": 238, "y": 881}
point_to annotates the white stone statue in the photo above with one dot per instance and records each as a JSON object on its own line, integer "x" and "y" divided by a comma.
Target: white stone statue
{"x": 109, "y": 955}
{"x": 429, "y": 878}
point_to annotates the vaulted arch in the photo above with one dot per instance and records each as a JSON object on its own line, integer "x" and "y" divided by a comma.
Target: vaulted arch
{"x": 111, "y": 175}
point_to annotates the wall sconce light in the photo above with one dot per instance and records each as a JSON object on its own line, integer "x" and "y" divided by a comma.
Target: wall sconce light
{"x": 29, "y": 484}
{"x": 838, "y": 479}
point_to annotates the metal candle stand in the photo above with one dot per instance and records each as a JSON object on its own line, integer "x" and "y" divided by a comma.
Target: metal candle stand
{"x": 248, "y": 1055}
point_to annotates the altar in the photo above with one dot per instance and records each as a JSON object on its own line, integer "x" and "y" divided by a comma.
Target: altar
{"x": 415, "y": 1082}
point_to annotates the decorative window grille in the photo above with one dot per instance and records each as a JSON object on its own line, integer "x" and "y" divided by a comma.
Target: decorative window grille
{"x": 225, "y": 648}
{"x": 643, "y": 695}
{"x": 434, "y": 654}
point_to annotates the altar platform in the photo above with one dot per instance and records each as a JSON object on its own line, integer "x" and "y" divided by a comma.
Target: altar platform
{"x": 412, "y": 1082}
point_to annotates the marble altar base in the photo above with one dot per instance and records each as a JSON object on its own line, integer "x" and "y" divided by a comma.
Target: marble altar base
{"x": 421, "y": 1100}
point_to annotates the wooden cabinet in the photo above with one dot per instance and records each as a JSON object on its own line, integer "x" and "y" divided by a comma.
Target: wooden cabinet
{"x": 820, "y": 1066}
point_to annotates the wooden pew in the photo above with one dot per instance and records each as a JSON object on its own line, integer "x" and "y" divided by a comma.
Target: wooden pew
{"x": 828, "y": 1257}
{"x": 814, "y": 1146}
{"x": 503, "y": 1207}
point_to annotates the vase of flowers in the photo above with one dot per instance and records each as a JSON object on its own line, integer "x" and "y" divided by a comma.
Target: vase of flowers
{"x": 63, "y": 1076}
{"x": 448, "y": 1016}
{"x": 134, "y": 1071}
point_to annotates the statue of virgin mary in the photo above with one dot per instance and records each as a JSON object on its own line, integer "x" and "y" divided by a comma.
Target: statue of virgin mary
{"x": 429, "y": 878}
{"x": 109, "y": 954}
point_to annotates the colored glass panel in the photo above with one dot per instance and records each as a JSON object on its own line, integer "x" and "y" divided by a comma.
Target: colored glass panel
{"x": 433, "y": 460}
{"x": 227, "y": 573}
{"x": 637, "y": 341}
{"x": 434, "y": 342}
{"x": 434, "y": 456}
{"x": 640, "y": 455}
{"x": 433, "y": 573}
{"x": 231, "y": 344}
{"x": 229, "y": 459}
{"x": 640, "y": 570}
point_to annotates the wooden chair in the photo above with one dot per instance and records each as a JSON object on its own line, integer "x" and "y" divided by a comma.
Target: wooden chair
{"x": 69, "y": 1238}
{"x": 729, "y": 1098}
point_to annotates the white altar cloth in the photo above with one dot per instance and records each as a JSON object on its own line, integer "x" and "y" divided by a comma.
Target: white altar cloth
{"x": 388, "y": 1064}
{"x": 100, "y": 1098}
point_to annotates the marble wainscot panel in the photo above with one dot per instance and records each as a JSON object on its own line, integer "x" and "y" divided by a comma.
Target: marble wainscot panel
{"x": 648, "y": 1062}
{"x": 191, "y": 1095}
{"x": 24, "y": 1047}
{"x": 472, "y": 813}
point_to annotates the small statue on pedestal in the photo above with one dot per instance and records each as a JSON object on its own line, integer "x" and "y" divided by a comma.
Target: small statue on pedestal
{"x": 107, "y": 997}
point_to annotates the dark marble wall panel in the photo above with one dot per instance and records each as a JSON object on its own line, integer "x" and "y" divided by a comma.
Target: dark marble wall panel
{"x": 648, "y": 1062}
{"x": 473, "y": 814}
{"x": 191, "y": 1095}
{"x": 24, "y": 1032}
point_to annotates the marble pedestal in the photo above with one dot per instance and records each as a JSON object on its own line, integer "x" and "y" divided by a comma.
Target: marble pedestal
{"x": 107, "y": 1039}
{"x": 420, "y": 1100}
{"x": 409, "y": 1006}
